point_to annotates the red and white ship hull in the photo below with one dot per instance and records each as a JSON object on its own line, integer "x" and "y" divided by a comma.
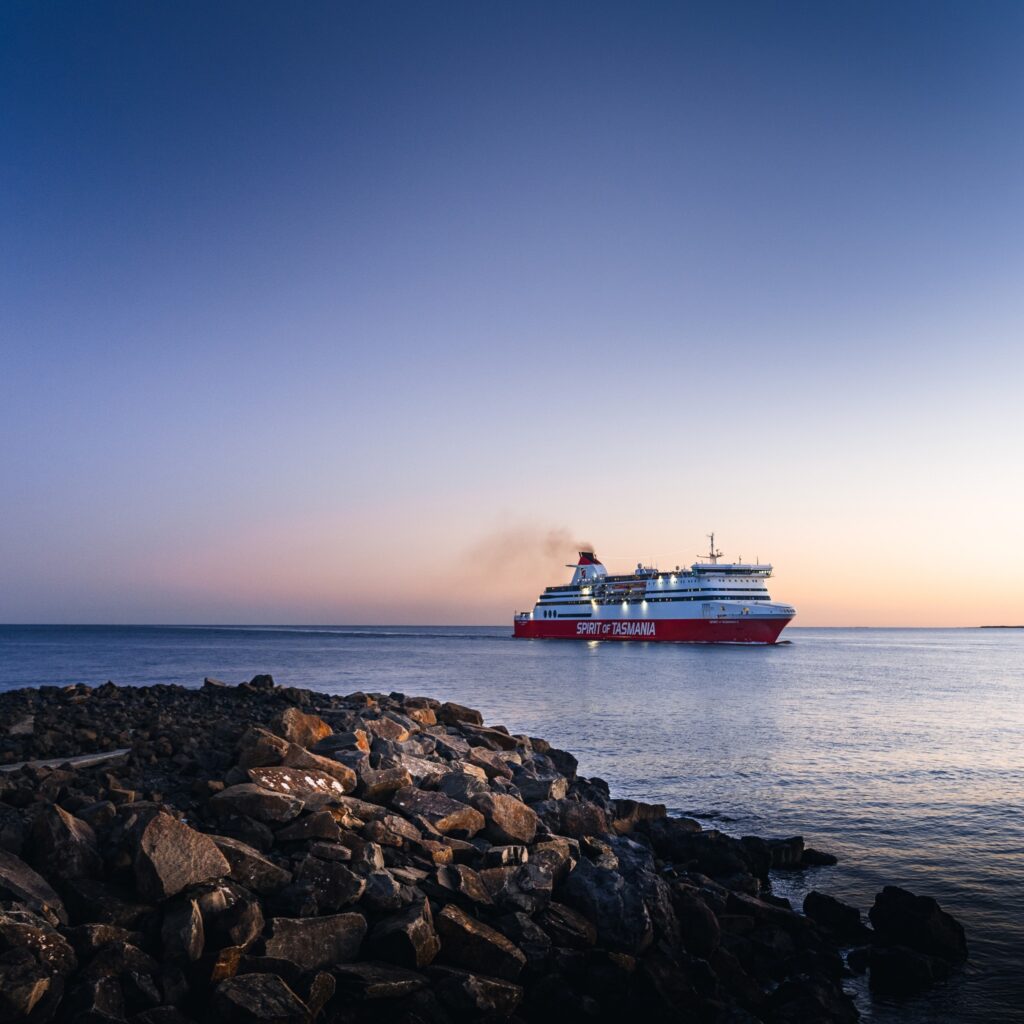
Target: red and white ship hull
{"x": 741, "y": 630}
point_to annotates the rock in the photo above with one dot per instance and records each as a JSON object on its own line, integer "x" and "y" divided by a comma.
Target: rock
{"x": 699, "y": 929}
{"x": 466, "y": 942}
{"x": 299, "y": 757}
{"x": 255, "y": 802}
{"x": 627, "y": 814}
{"x": 318, "y": 825}
{"x": 258, "y": 997}
{"x": 444, "y": 814}
{"x": 816, "y": 859}
{"x": 369, "y": 981}
{"x": 453, "y": 714}
{"x": 508, "y": 820}
{"x": 182, "y": 932}
{"x": 171, "y": 857}
{"x": 63, "y": 846}
{"x": 407, "y": 938}
{"x": 250, "y": 868}
{"x": 574, "y": 818}
{"x": 381, "y": 785}
{"x": 314, "y": 788}
{"x": 20, "y": 883}
{"x": 258, "y": 748}
{"x": 24, "y": 983}
{"x": 900, "y": 971}
{"x": 902, "y": 919}
{"x": 298, "y": 727}
{"x": 317, "y": 941}
{"x": 334, "y": 885}
{"x": 839, "y": 918}
{"x": 475, "y": 996}
{"x": 566, "y": 927}
{"x": 357, "y": 739}
{"x": 460, "y": 882}
{"x": 615, "y": 907}
{"x": 383, "y": 892}
{"x": 787, "y": 854}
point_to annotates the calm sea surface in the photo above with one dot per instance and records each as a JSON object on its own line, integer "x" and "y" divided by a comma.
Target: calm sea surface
{"x": 900, "y": 750}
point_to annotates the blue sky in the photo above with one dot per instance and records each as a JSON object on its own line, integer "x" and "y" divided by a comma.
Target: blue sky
{"x": 294, "y": 300}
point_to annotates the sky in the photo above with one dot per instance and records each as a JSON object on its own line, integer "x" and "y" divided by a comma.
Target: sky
{"x": 374, "y": 312}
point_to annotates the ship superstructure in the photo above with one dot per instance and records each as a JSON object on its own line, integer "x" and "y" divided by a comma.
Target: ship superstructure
{"x": 710, "y": 602}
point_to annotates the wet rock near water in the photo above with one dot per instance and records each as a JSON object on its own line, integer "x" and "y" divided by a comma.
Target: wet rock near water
{"x": 266, "y": 853}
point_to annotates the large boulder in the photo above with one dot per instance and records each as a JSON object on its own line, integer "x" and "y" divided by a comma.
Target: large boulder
{"x": 313, "y": 942}
{"x": 252, "y": 801}
{"x": 298, "y": 727}
{"x": 508, "y": 820}
{"x": 250, "y": 868}
{"x": 615, "y": 907}
{"x": 441, "y": 812}
{"x": 901, "y": 918}
{"x": 407, "y": 938}
{"x": 20, "y": 883}
{"x": 258, "y": 997}
{"x": 466, "y": 942}
{"x": 315, "y": 788}
{"x": 171, "y": 857}
{"x": 63, "y": 846}
{"x": 840, "y": 919}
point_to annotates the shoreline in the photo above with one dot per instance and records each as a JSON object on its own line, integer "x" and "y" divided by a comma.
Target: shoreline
{"x": 343, "y": 857}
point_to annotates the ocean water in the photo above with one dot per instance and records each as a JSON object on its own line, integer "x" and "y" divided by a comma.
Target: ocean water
{"x": 899, "y": 750}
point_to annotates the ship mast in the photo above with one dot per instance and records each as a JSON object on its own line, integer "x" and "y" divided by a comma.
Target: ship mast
{"x": 713, "y": 555}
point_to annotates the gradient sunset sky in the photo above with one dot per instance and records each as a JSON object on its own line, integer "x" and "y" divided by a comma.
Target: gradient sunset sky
{"x": 367, "y": 313}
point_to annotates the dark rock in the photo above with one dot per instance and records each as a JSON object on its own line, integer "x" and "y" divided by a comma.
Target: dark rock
{"x": 816, "y": 859}
{"x": 317, "y": 942}
{"x": 839, "y": 918}
{"x": 249, "y": 867}
{"x": 313, "y": 787}
{"x": 90, "y": 900}
{"x": 787, "y": 854}
{"x": 902, "y": 919}
{"x": 615, "y": 906}
{"x": 374, "y": 981}
{"x": 567, "y": 927}
{"x": 462, "y": 883}
{"x": 62, "y": 846}
{"x": 408, "y": 938}
{"x": 466, "y": 942}
{"x": 254, "y": 801}
{"x": 380, "y": 785}
{"x": 383, "y": 893}
{"x": 454, "y": 714}
{"x": 443, "y": 813}
{"x": 20, "y": 883}
{"x": 575, "y": 818}
{"x": 699, "y": 930}
{"x": 258, "y": 997}
{"x": 182, "y": 931}
{"x": 334, "y": 885}
{"x": 900, "y": 971}
{"x": 475, "y": 996}
{"x": 171, "y": 857}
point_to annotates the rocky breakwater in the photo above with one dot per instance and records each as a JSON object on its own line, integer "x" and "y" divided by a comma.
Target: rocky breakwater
{"x": 261, "y": 853}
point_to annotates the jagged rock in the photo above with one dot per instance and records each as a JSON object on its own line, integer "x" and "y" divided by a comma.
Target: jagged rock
{"x": 357, "y": 739}
{"x": 102, "y": 903}
{"x": 508, "y": 820}
{"x": 259, "y": 747}
{"x": 334, "y": 885}
{"x": 456, "y": 714}
{"x": 699, "y": 929}
{"x": 787, "y": 854}
{"x": 900, "y": 971}
{"x": 249, "y": 867}
{"x": 258, "y": 997}
{"x": 238, "y": 925}
{"x": 460, "y": 882}
{"x": 383, "y": 893}
{"x": 254, "y": 801}
{"x": 24, "y": 983}
{"x": 380, "y": 785}
{"x": 475, "y": 996}
{"x": 20, "y": 883}
{"x": 182, "y": 931}
{"x": 839, "y": 918}
{"x": 63, "y": 846}
{"x": 525, "y": 887}
{"x": 444, "y": 814}
{"x": 370, "y": 981}
{"x": 86, "y": 939}
{"x": 408, "y": 938}
{"x": 318, "y": 825}
{"x": 615, "y": 906}
{"x": 300, "y": 757}
{"x": 314, "y": 788}
{"x": 574, "y": 818}
{"x": 466, "y": 942}
{"x": 816, "y": 859}
{"x": 298, "y": 727}
{"x": 317, "y": 942}
{"x": 627, "y": 814}
{"x": 902, "y": 919}
{"x": 567, "y": 927}
{"x": 171, "y": 857}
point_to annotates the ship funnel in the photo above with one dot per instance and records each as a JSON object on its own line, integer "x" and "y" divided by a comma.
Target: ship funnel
{"x": 588, "y": 569}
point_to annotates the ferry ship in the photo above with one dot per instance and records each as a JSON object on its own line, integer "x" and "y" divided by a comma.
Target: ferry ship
{"x": 712, "y": 602}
